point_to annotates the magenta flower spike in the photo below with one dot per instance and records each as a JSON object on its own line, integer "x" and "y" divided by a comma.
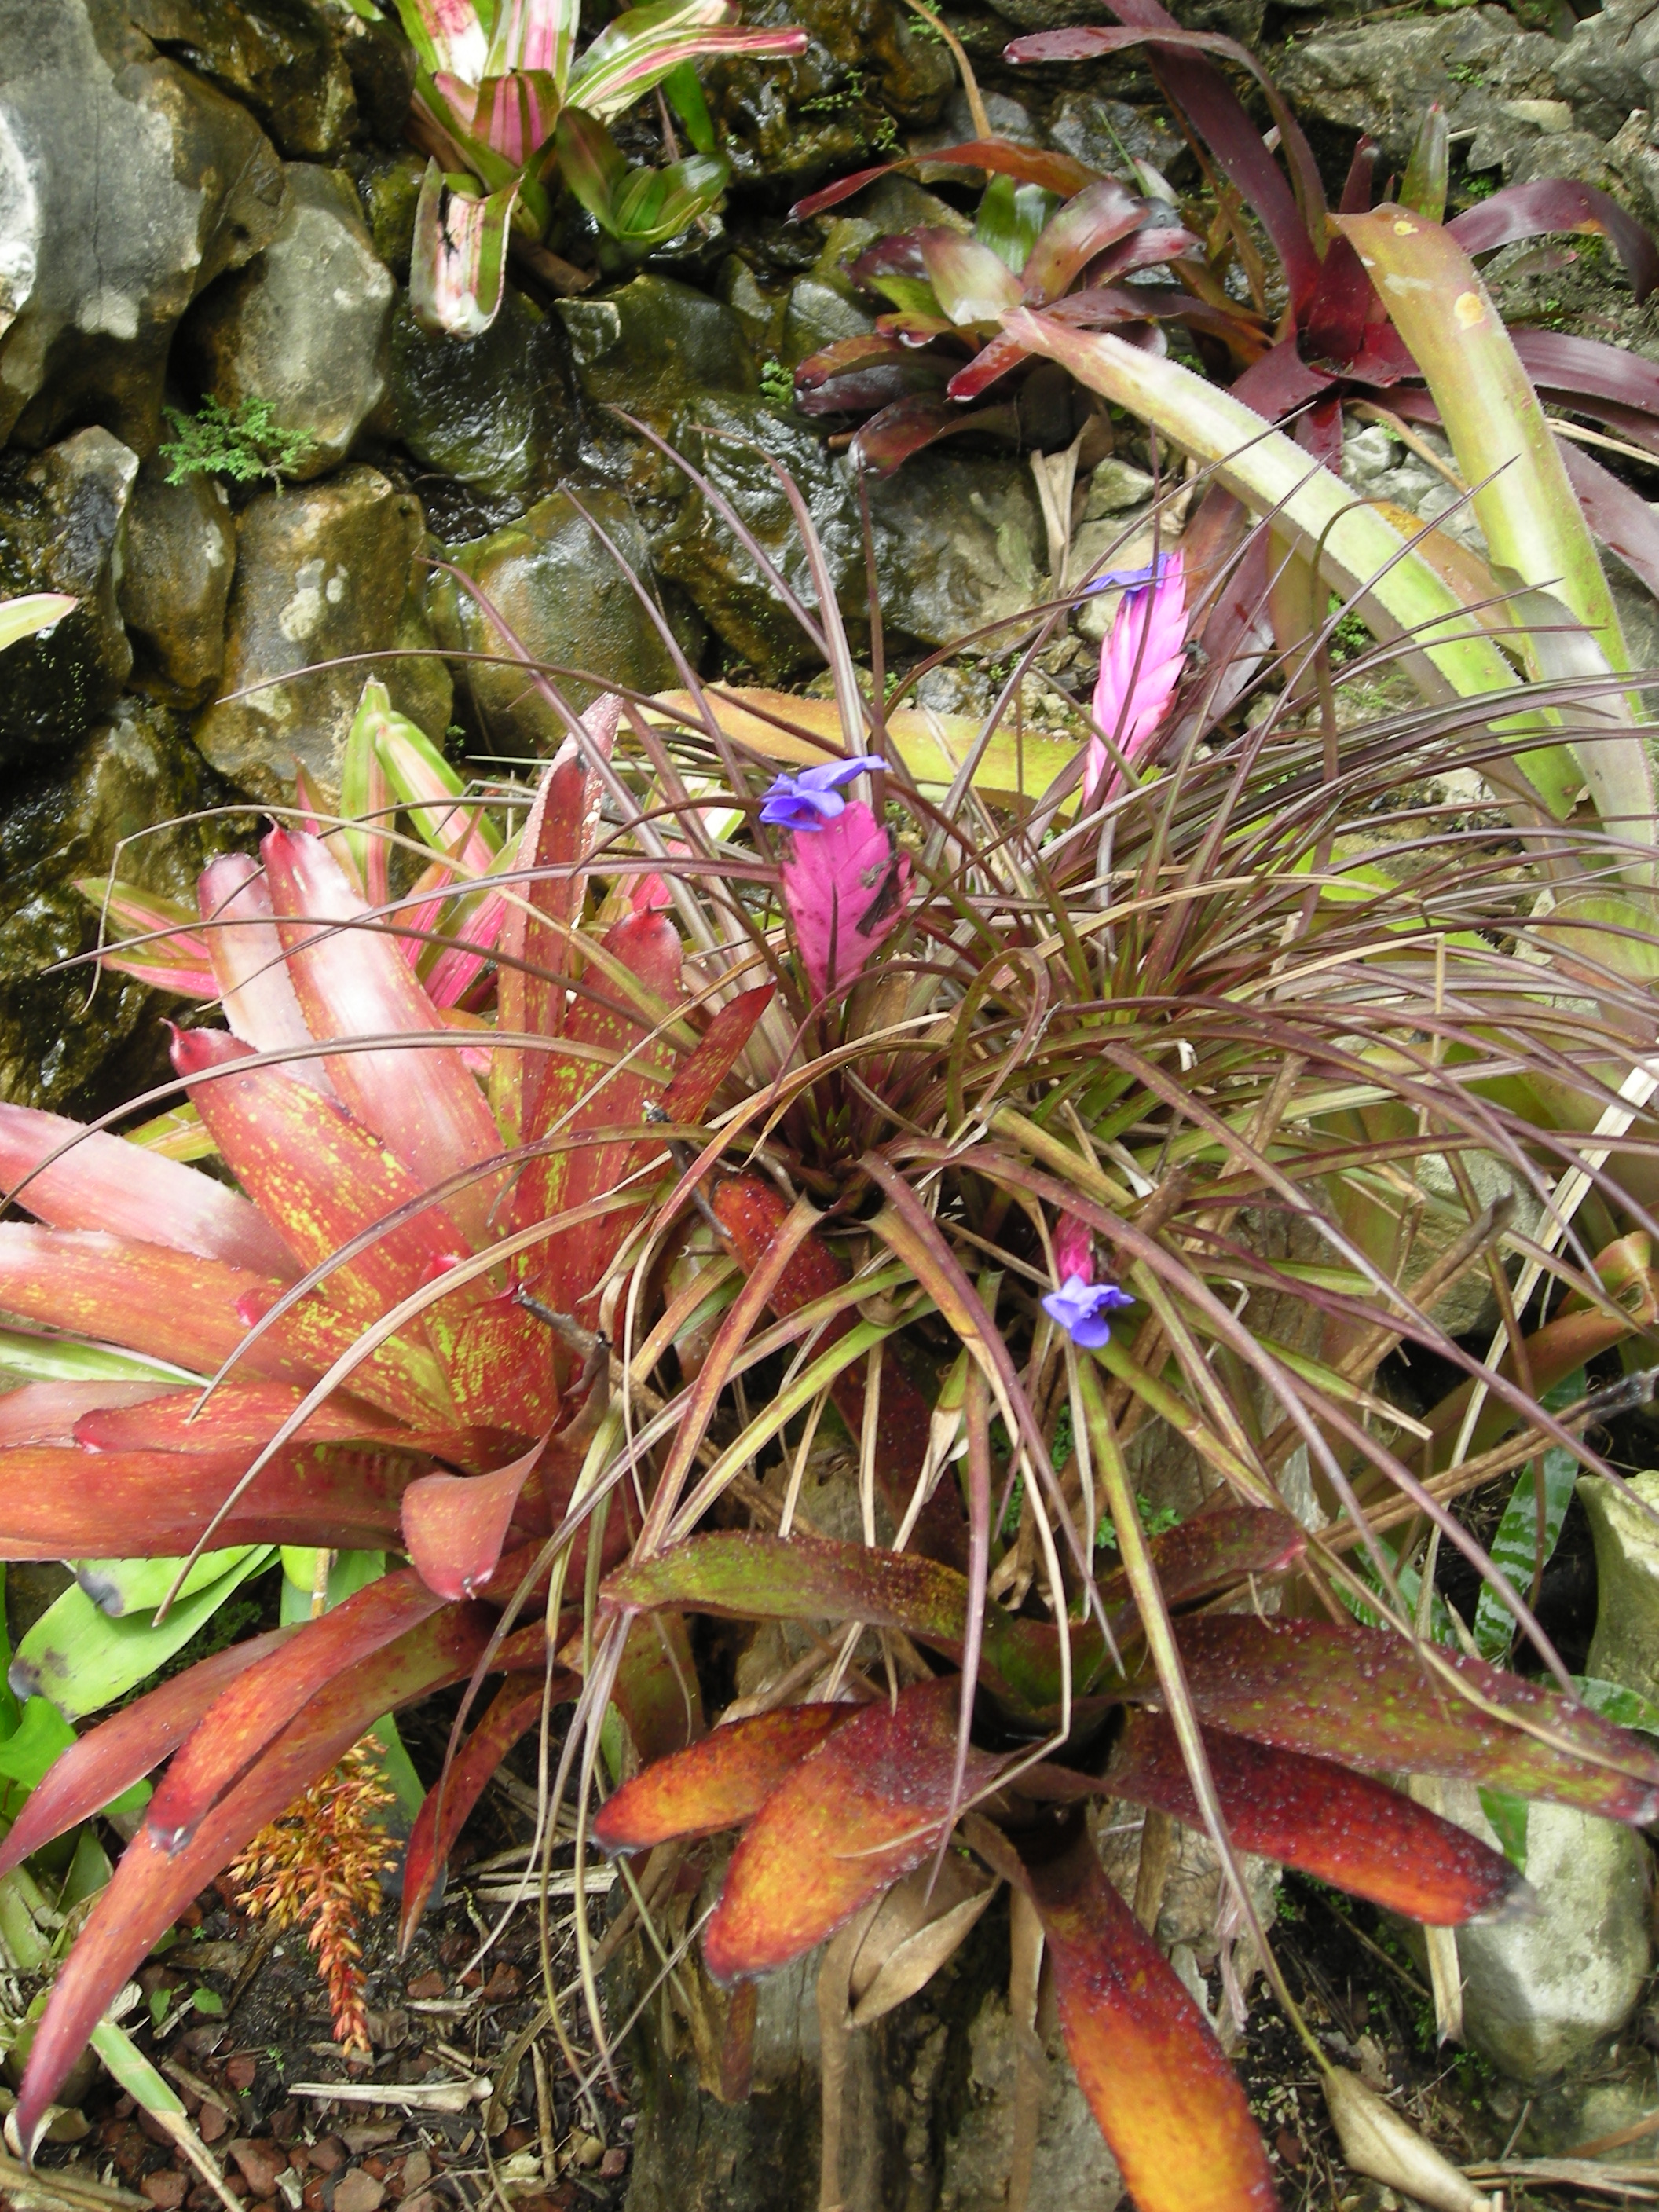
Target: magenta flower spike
{"x": 1140, "y": 666}
{"x": 845, "y": 884}
{"x": 1075, "y": 1248}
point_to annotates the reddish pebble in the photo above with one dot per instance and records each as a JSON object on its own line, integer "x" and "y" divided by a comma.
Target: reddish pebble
{"x": 614, "y": 2164}
{"x": 358, "y": 2192}
{"x": 213, "y": 2123}
{"x": 454, "y": 1946}
{"x": 515, "y": 2138}
{"x": 328, "y": 2154}
{"x": 1290, "y": 2148}
{"x": 312, "y": 2197}
{"x": 260, "y": 2163}
{"x": 239, "y": 2072}
{"x": 285, "y": 2122}
{"x": 167, "y": 2189}
{"x": 427, "y": 1985}
{"x": 504, "y": 1983}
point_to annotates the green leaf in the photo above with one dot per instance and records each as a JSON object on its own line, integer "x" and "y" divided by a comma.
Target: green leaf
{"x": 1629, "y": 1708}
{"x": 81, "y": 1660}
{"x": 59, "y": 1359}
{"x": 208, "y": 2001}
{"x": 1507, "y": 1816}
{"x": 350, "y": 1572}
{"x": 683, "y": 91}
{"x": 1515, "y": 1548}
{"x": 32, "y": 1747}
{"x": 123, "y": 1588}
{"x": 1009, "y": 219}
{"x": 1358, "y": 552}
{"x": 1519, "y": 494}
{"x": 1423, "y": 190}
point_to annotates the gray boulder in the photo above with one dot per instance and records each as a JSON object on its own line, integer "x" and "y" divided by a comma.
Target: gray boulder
{"x": 560, "y": 591}
{"x": 962, "y": 545}
{"x": 175, "y": 584}
{"x": 284, "y": 59}
{"x": 134, "y": 774}
{"x": 1611, "y": 64}
{"x": 324, "y": 571}
{"x": 304, "y": 326}
{"x": 1625, "y": 1646}
{"x": 62, "y": 518}
{"x": 1542, "y": 1990}
{"x": 1383, "y": 78}
{"x": 126, "y": 185}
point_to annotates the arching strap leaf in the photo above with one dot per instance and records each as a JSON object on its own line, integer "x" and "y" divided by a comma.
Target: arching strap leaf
{"x": 109, "y": 1758}
{"x": 254, "y": 1710}
{"x": 719, "y": 1783}
{"x": 1168, "y": 2103}
{"x": 1556, "y": 204}
{"x": 63, "y": 1502}
{"x": 859, "y": 1812}
{"x": 691, "y": 1093}
{"x": 1326, "y": 1820}
{"x": 104, "y": 1183}
{"x": 1360, "y": 1695}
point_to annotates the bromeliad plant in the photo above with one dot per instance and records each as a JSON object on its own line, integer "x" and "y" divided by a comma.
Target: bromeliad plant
{"x": 507, "y": 109}
{"x": 868, "y": 1120}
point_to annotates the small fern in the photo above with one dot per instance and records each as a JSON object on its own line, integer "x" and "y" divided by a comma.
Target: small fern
{"x": 249, "y": 446}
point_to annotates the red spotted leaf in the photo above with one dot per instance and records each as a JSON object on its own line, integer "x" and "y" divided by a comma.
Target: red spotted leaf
{"x": 859, "y": 1812}
{"x": 152, "y": 1885}
{"x": 255, "y": 988}
{"x": 1361, "y": 1695}
{"x": 353, "y": 982}
{"x": 313, "y": 1169}
{"x": 248, "y": 1716}
{"x": 719, "y": 1783}
{"x": 692, "y": 1091}
{"x": 121, "y": 1750}
{"x": 102, "y": 1182}
{"x": 51, "y": 1412}
{"x": 69, "y": 1504}
{"x": 1324, "y": 1819}
{"x": 242, "y": 1418}
{"x": 1166, "y": 2100}
{"x": 455, "y": 1525}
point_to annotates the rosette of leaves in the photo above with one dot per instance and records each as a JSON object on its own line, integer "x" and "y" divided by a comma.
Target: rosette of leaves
{"x": 363, "y": 1345}
{"x": 506, "y": 107}
{"x": 937, "y": 363}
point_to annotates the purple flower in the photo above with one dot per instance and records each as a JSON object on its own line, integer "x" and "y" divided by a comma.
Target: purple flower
{"x": 812, "y": 799}
{"x": 1081, "y": 1309}
{"x": 1130, "y": 579}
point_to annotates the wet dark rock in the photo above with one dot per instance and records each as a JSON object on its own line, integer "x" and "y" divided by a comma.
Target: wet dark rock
{"x": 304, "y": 325}
{"x": 963, "y": 544}
{"x": 62, "y": 515}
{"x": 1382, "y": 78}
{"x": 958, "y": 537}
{"x": 911, "y": 75}
{"x": 560, "y": 591}
{"x": 175, "y": 583}
{"x": 495, "y": 412}
{"x": 136, "y": 772}
{"x": 100, "y": 257}
{"x": 322, "y": 571}
{"x": 388, "y": 188}
{"x": 284, "y": 59}
{"x": 648, "y": 345}
{"x": 735, "y": 442}
{"x": 1100, "y": 132}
